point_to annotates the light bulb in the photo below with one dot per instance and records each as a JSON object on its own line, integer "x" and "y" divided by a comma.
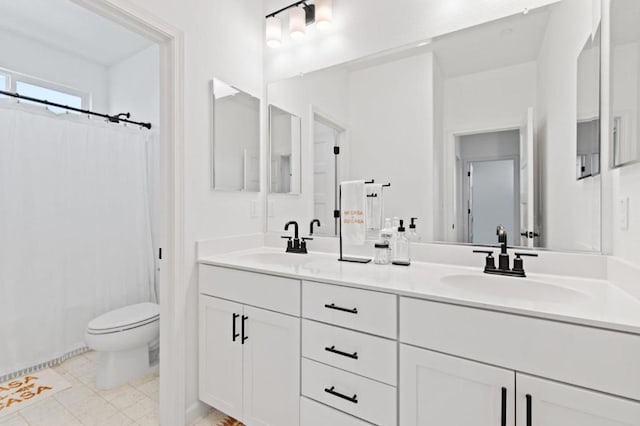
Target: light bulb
{"x": 324, "y": 14}
{"x": 297, "y": 24}
{"x": 273, "y": 31}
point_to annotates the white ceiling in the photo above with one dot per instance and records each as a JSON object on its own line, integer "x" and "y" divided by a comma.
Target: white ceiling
{"x": 66, "y": 26}
{"x": 510, "y": 41}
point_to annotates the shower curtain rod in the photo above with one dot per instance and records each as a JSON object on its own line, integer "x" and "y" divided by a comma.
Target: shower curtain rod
{"x": 112, "y": 118}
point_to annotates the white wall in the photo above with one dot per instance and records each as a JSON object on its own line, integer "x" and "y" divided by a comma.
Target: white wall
{"x": 134, "y": 86}
{"x": 489, "y": 100}
{"x": 222, "y": 39}
{"x": 578, "y": 227}
{"x": 366, "y": 27}
{"x": 391, "y": 131}
{"x": 37, "y": 60}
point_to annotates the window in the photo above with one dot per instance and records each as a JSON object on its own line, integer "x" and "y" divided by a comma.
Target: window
{"x": 3, "y": 82}
{"x": 51, "y": 95}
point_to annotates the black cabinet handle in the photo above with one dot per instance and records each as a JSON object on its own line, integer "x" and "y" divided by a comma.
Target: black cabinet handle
{"x": 503, "y": 418}
{"x": 332, "y": 391}
{"x": 244, "y": 337}
{"x": 338, "y": 308}
{"x": 333, "y": 350}
{"x": 529, "y": 414}
{"x": 234, "y": 335}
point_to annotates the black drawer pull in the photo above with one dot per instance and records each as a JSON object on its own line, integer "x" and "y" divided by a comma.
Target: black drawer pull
{"x": 338, "y": 308}
{"x": 333, "y": 350}
{"x": 503, "y": 418}
{"x": 332, "y": 391}
{"x": 244, "y": 336}
{"x": 529, "y": 408}
{"x": 234, "y": 335}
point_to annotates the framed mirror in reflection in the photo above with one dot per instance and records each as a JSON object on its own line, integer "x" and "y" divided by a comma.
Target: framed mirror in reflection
{"x": 284, "y": 151}
{"x": 235, "y": 139}
{"x": 475, "y": 129}
{"x": 625, "y": 82}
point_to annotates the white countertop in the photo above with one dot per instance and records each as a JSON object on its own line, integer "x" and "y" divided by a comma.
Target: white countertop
{"x": 590, "y": 302}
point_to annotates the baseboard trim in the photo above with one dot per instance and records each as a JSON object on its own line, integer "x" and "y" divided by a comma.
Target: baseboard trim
{"x": 195, "y": 411}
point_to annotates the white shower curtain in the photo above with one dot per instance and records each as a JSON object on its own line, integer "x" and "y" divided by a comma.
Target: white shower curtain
{"x": 75, "y": 231}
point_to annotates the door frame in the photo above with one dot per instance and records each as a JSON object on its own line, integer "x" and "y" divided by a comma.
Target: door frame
{"x": 341, "y": 142}
{"x": 466, "y": 191}
{"x": 173, "y": 277}
{"x": 451, "y": 197}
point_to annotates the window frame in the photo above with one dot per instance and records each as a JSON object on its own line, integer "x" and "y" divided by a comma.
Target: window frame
{"x": 13, "y": 77}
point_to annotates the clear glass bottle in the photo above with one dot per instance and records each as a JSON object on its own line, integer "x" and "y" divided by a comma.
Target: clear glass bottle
{"x": 387, "y": 234}
{"x": 412, "y": 234}
{"x": 382, "y": 255}
{"x": 401, "y": 254}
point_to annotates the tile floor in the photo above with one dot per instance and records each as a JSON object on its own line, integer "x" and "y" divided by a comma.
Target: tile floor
{"x": 135, "y": 403}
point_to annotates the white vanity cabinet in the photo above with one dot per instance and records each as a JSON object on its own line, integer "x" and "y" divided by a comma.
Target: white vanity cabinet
{"x": 438, "y": 389}
{"x": 547, "y": 403}
{"x": 349, "y": 349}
{"x": 249, "y": 359}
{"x": 439, "y": 384}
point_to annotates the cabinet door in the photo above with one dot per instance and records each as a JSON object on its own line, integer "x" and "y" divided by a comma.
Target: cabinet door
{"x": 271, "y": 369}
{"x": 545, "y": 403}
{"x": 437, "y": 389}
{"x": 220, "y": 355}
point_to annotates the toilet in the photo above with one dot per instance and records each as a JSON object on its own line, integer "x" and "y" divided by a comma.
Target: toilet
{"x": 121, "y": 338}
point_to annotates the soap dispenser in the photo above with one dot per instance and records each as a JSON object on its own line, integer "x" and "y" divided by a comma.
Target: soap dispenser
{"x": 401, "y": 255}
{"x": 413, "y": 235}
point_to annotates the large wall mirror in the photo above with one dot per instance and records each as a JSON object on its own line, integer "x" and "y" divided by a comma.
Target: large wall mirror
{"x": 625, "y": 82}
{"x": 235, "y": 139}
{"x": 472, "y": 129}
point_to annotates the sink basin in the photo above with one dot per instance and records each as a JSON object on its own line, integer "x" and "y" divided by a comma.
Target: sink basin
{"x": 283, "y": 259}
{"x": 513, "y": 288}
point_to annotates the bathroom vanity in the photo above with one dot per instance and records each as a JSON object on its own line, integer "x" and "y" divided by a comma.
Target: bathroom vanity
{"x": 290, "y": 339}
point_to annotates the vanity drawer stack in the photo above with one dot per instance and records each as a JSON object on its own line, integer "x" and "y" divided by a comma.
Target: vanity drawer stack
{"x": 349, "y": 349}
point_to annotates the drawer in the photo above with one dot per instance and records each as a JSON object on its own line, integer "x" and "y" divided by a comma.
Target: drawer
{"x": 315, "y": 414}
{"x": 363, "y": 354}
{"x": 362, "y": 310}
{"x": 376, "y": 402}
{"x": 260, "y": 290}
{"x": 589, "y": 357}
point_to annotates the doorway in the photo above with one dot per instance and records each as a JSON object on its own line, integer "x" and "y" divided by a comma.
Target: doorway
{"x": 490, "y": 184}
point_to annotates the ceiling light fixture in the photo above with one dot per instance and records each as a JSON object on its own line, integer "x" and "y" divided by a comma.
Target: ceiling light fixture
{"x": 297, "y": 23}
{"x": 324, "y": 14}
{"x": 301, "y": 14}
{"x": 274, "y": 31}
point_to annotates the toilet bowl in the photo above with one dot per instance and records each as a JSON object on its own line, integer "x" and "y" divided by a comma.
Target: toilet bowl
{"x": 121, "y": 338}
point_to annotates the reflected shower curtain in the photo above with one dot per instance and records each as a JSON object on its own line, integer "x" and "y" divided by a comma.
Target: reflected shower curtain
{"x": 75, "y": 231}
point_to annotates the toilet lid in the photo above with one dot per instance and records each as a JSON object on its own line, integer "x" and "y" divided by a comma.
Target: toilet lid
{"x": 127, "y": 317}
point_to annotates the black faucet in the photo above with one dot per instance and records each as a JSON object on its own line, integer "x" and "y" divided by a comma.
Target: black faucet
{"x": 503, "y": 259}
{"x": 295, "y": 244}
{"x": 314, "y": 221}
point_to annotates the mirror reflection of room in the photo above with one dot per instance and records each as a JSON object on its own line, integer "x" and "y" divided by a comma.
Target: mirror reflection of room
{"x": 236, "y": 139}
{"x": 471, "y": 128}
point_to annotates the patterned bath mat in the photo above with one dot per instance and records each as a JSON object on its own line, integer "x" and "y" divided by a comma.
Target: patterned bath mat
{"x": 229, "y": 421}
{"x": 23, "y": 391}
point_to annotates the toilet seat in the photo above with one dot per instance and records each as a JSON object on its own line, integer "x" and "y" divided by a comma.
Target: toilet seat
{"x": 123, "y": 319}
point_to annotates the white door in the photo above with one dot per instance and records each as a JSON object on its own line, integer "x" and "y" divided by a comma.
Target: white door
{"x": 527, "y": 180}
{"x": 437, "y": 389}
{"x": 220, "y": 352}
{"x": 492, "y": 200}
{"x": 271, "y": 369}
{"x": 545, "y": 403}
{"x": 324, "y": 177}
